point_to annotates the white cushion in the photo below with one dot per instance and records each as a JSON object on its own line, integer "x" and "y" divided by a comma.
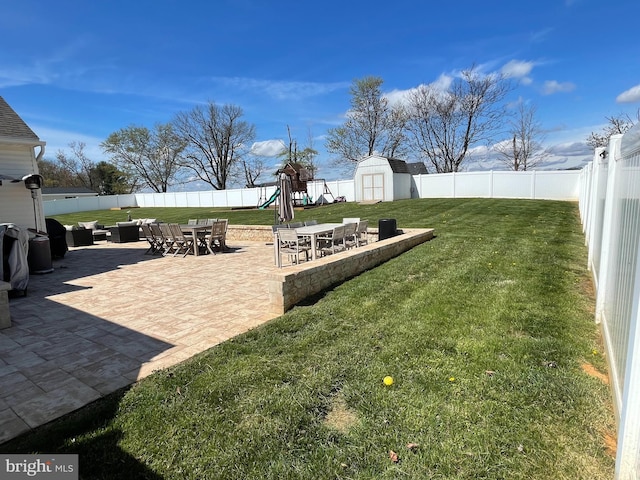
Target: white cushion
{"x": 127, "y": 224}
{"x": 90, "y": 225}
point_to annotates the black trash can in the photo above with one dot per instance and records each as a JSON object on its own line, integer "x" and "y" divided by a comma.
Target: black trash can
{"x": 39, "y": 257}
{"x": 386, "y": 228}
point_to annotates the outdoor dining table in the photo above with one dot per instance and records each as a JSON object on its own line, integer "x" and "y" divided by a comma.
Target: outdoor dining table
{"x": 198, "y": 232}
{"x": 311, "y": 231}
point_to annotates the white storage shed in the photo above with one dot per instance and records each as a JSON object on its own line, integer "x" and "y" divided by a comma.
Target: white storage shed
{"x": 18, "y": 160}
{"x": 382, "y": 178}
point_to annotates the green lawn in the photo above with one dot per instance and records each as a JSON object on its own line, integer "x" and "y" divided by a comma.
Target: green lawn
{"x": 485, "y": 330}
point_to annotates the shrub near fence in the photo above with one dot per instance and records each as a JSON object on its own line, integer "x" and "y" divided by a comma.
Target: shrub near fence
{"x": 610, "y": 211}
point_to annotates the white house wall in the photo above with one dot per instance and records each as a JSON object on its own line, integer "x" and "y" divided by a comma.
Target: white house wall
{"x": 16, "y": 204}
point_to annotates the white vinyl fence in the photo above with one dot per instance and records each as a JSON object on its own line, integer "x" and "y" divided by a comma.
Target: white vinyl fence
{"x": 549, "y": 185}
{"x": 610, "y": 211}
{"x": 535, "y": 184}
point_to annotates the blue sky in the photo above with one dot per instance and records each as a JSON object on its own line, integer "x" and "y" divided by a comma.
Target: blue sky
{"x": 78, "y": 70}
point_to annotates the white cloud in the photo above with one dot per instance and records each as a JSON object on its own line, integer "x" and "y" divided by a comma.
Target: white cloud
{"x": 441, "y": 84}
{"x": 283, "y": 90}
{"x": 570, "y": 149}
{"x": 398, "y": 97}
{"x": 629, "y": 96}
{"x": 518, "y": 69}
{"x": 553, "y": 86}
{"x": 267, "y": 148}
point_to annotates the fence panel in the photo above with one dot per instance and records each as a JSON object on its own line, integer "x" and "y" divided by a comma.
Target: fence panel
{"x": 508, "y": 185}
{"x": 436, "y": 186}
{"x": 610, "y": 209}
{"x": 536, "y": 184}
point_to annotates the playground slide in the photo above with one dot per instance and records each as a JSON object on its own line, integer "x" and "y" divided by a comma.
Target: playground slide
{"x": 271, "y": 200}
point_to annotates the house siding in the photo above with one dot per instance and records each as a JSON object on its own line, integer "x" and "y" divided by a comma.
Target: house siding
{"x": 16, "y": 204}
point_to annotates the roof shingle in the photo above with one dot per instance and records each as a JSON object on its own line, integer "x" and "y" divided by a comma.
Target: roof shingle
{"x": 12, "y": 126}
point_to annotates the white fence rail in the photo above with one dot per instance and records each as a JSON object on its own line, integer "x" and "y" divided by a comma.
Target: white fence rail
{"x": 549, "y": 185}
{"x": 610, "y": 212}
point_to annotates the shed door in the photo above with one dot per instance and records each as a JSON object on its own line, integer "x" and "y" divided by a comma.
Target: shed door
{"x": 373, "y": 186}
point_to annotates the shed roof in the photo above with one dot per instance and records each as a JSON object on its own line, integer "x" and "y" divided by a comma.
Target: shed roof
{"x": 12, "y": 126}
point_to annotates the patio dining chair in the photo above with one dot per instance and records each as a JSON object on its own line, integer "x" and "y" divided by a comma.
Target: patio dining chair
{"x": 310, "y": 222}
{"x": 154, "y": 247}
{"x": 192, "y": 221}
{"x": 292, "y": 246}
{"x": 158, "y": 237}
{"x": 362, "y": 234}
{"x": 169, "y": 244}
{"x": 332, "y": 242}
{"x": 350, "y": 238}
{"x": 216, "y": 239}
{"x": 182, "y": 243}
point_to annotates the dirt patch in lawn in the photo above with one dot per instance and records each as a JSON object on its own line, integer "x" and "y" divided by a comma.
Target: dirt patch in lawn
{"x": 594, "y": 372}
{"x": 340, "y": 417}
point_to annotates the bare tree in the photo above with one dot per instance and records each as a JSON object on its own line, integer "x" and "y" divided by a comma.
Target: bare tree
{"x": 616, "y": 124}
{"x": 253, "y": 166}
{"x": 152, "y": 157}
{"x": 372, "y": 125}
{"x": 444, "y": 125}
{"x": 524, "y": 150}
{"x": 217, "y": 138}
{"x": 77, "y": 166}
{"x": 305, "y": 157}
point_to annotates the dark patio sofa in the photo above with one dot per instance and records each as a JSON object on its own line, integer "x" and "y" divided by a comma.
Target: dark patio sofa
{"x": 124, "y": 233}
{"x": 79, "y": 237}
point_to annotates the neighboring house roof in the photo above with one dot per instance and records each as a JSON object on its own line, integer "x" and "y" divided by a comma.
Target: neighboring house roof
{"x": 12, "y": 126}
{"x": 398, "y": 166}
{"x": 68, "y": 191}
{"x": 417, "y": 168}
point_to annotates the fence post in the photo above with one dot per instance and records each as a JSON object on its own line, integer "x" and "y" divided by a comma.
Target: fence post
{"x": 608, "y": 224}
{"x": 598, "y": 194}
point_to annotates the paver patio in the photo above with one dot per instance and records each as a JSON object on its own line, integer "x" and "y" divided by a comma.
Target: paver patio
{"x": 109, "y": 315}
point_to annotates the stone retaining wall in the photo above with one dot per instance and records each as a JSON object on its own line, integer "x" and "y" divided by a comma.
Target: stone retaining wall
{"x": 291, "y": 284}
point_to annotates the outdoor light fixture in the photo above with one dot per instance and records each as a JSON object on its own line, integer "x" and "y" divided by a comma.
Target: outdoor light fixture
{"x": 34, "y": 183}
